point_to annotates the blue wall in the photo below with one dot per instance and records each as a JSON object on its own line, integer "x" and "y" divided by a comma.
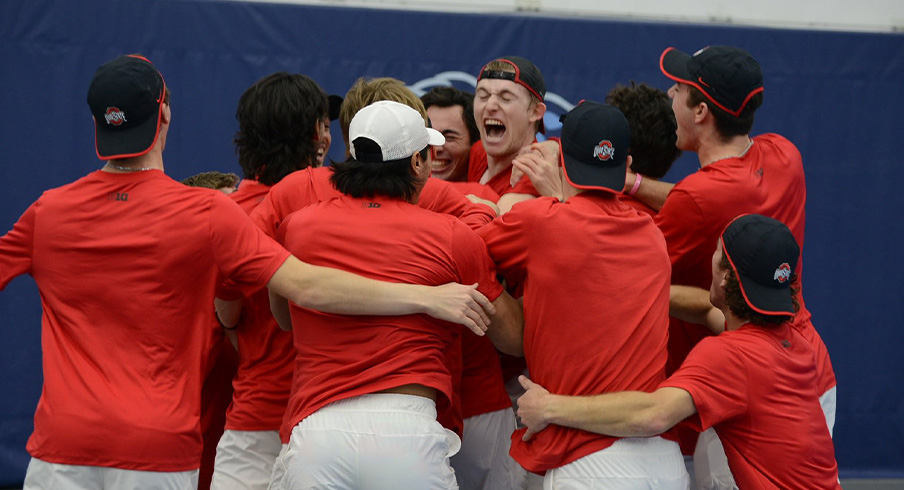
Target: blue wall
{"x": 836, "y": 95}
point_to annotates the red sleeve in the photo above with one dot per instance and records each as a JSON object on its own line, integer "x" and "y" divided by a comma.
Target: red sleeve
{"x": 681, "y": 222}
{"x": 473, "y": 262}
{"x": 440, "y": 196}
{"x": 508, "y": 237}
{"x": 246, "y": 256}
{"x": 16, "y": 247}
{"x": 716, "y": 379}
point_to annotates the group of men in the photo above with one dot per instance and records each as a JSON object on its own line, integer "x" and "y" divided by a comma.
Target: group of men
{"x": 379, "y": 312}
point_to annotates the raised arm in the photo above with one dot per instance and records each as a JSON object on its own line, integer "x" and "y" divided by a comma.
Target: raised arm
{"x": 692, "y": 305}
{"x": 650, "y": 191}
{"x": 622, "y": 414}
{"x": 335, "y": 291}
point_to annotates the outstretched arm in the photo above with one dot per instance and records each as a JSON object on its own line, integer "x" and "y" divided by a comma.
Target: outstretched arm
{"x": 507, "y": 326}
{"x": 622, "y": 414}
{"x": 692, "y": 305}
{"x": 335, "y": 291}
{"x": 650, "y": 191}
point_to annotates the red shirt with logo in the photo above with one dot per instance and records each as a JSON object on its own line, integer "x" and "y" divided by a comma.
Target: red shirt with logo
{"x": 390, "y": 240}
{"x": 757, "y": 387}
{"x": 124, "y": 264}
{"x": 266, "y": 352}
{"x": 596, "y": 301}
{"x": 501, "y": 182}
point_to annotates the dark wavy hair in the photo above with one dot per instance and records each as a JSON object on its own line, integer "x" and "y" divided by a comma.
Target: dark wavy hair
{"x": 392, "y": 178}
{"x": 727, "y": 125}
{"x": 451, "y": 97}
{"x": 652, "y": 121}
{"x": 278, "y": 118}
{"x": 734, "y": 298}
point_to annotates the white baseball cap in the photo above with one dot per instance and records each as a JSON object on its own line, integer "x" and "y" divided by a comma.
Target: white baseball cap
{"x": 397, "y": 130}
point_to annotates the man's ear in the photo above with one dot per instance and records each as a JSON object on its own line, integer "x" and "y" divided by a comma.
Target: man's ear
{"x": 538, "y": 111}
{"x": 165, "y": 114}
{"x": 701, "y": 110}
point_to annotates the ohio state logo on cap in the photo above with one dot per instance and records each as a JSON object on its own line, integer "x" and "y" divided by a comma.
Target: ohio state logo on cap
{"x": 783, "y": 273}
{"x": 604, "y": 150}
{"x": 115, "y": 116}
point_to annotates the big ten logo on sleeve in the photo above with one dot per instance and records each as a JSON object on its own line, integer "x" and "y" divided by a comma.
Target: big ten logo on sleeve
{"x": 118, "y": 196}
{"x": 369, "y": 205}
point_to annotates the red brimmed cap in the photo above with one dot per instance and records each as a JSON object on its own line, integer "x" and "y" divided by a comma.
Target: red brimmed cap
{"x": 126, "y": 100}
{"x": 763, "y": 255}
{"x": 525, "y": 74}
{"x": 729, "y": 77}
{"x": 595, "y": 143}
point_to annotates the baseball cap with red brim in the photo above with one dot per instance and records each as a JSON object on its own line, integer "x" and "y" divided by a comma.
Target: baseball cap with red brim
{"x": 126, "y": 100}
{"x": 727, "y": 76}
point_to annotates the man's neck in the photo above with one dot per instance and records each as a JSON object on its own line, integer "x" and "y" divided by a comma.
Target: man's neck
{"x": 732, "y": 322}
{"x": 715, "y": 149}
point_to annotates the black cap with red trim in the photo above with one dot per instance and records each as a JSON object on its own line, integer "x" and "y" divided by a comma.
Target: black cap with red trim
{"x": 126, "y": 100}
{"x": 763, "y": 254}
{"x": 595, "y": 142}
{"x": 525, "y": 74}
{"x": 728, "y": 76}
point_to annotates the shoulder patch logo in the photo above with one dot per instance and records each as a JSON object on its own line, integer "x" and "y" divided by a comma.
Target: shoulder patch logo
{"x": 604, "y": 150}
{"x": 114, "y": 116}
{"x": 783, "y": 273}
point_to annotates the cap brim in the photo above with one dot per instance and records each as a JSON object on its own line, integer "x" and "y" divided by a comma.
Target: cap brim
{"x": 126, "y": 143}
{"x": 764, "y": 299}
{"x": 592, "y": 176}
{"x": 435, "y": 138}
{"x": 335, "y": 103}
{"x": 673, "y": 64}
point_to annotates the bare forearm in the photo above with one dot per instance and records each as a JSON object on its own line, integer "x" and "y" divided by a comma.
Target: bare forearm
{"x": 624, "y": 414}
{"x": 651, "y": 192}
{"x": 506, "y": 329}
{"x": 335, "y": 291}
{"x": 692, "y": 305}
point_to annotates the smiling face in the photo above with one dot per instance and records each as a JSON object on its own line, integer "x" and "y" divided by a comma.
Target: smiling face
{"x": 451, "y": 159}
{"x": 324, "y": 140}
{"x": 506, "y": 117}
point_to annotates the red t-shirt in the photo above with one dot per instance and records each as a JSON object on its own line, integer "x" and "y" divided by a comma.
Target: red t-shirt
{"x": 636, "y": 204}
{"x": 480, "y": 394}
{"x": 390, "y": 240}
{"x": 265, "y": 351}
{"x": 757, "y": 388}
{"x": 311, "y": 185}
{"x": 596, "y": 302}
{"x": 124, "y": 264}
{"x": 500, "y": 183}
{"x": 768, "y": 180}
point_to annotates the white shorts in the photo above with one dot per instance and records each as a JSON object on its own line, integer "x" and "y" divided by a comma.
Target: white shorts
{"x": 627, "y": 464}
{"x": 245, "y": 459}
{"x": 42, "y": 475}
{"x": 382, "y": 441}
{"x": 484, "y": 462}
{"x": 711, "y": 471}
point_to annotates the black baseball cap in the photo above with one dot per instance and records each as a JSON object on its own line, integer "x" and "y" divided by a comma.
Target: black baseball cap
{"x": 126, "y": 100}
{"x": 335, "y": 103}
{"x": 763, "y": 255}
{"x": 595, "y": 143}
{"x": 526, "y": 74}
{"x": 726, "y": 75}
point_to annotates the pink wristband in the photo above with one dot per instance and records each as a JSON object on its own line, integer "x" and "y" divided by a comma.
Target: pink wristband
{"x": 637, "y": 179}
